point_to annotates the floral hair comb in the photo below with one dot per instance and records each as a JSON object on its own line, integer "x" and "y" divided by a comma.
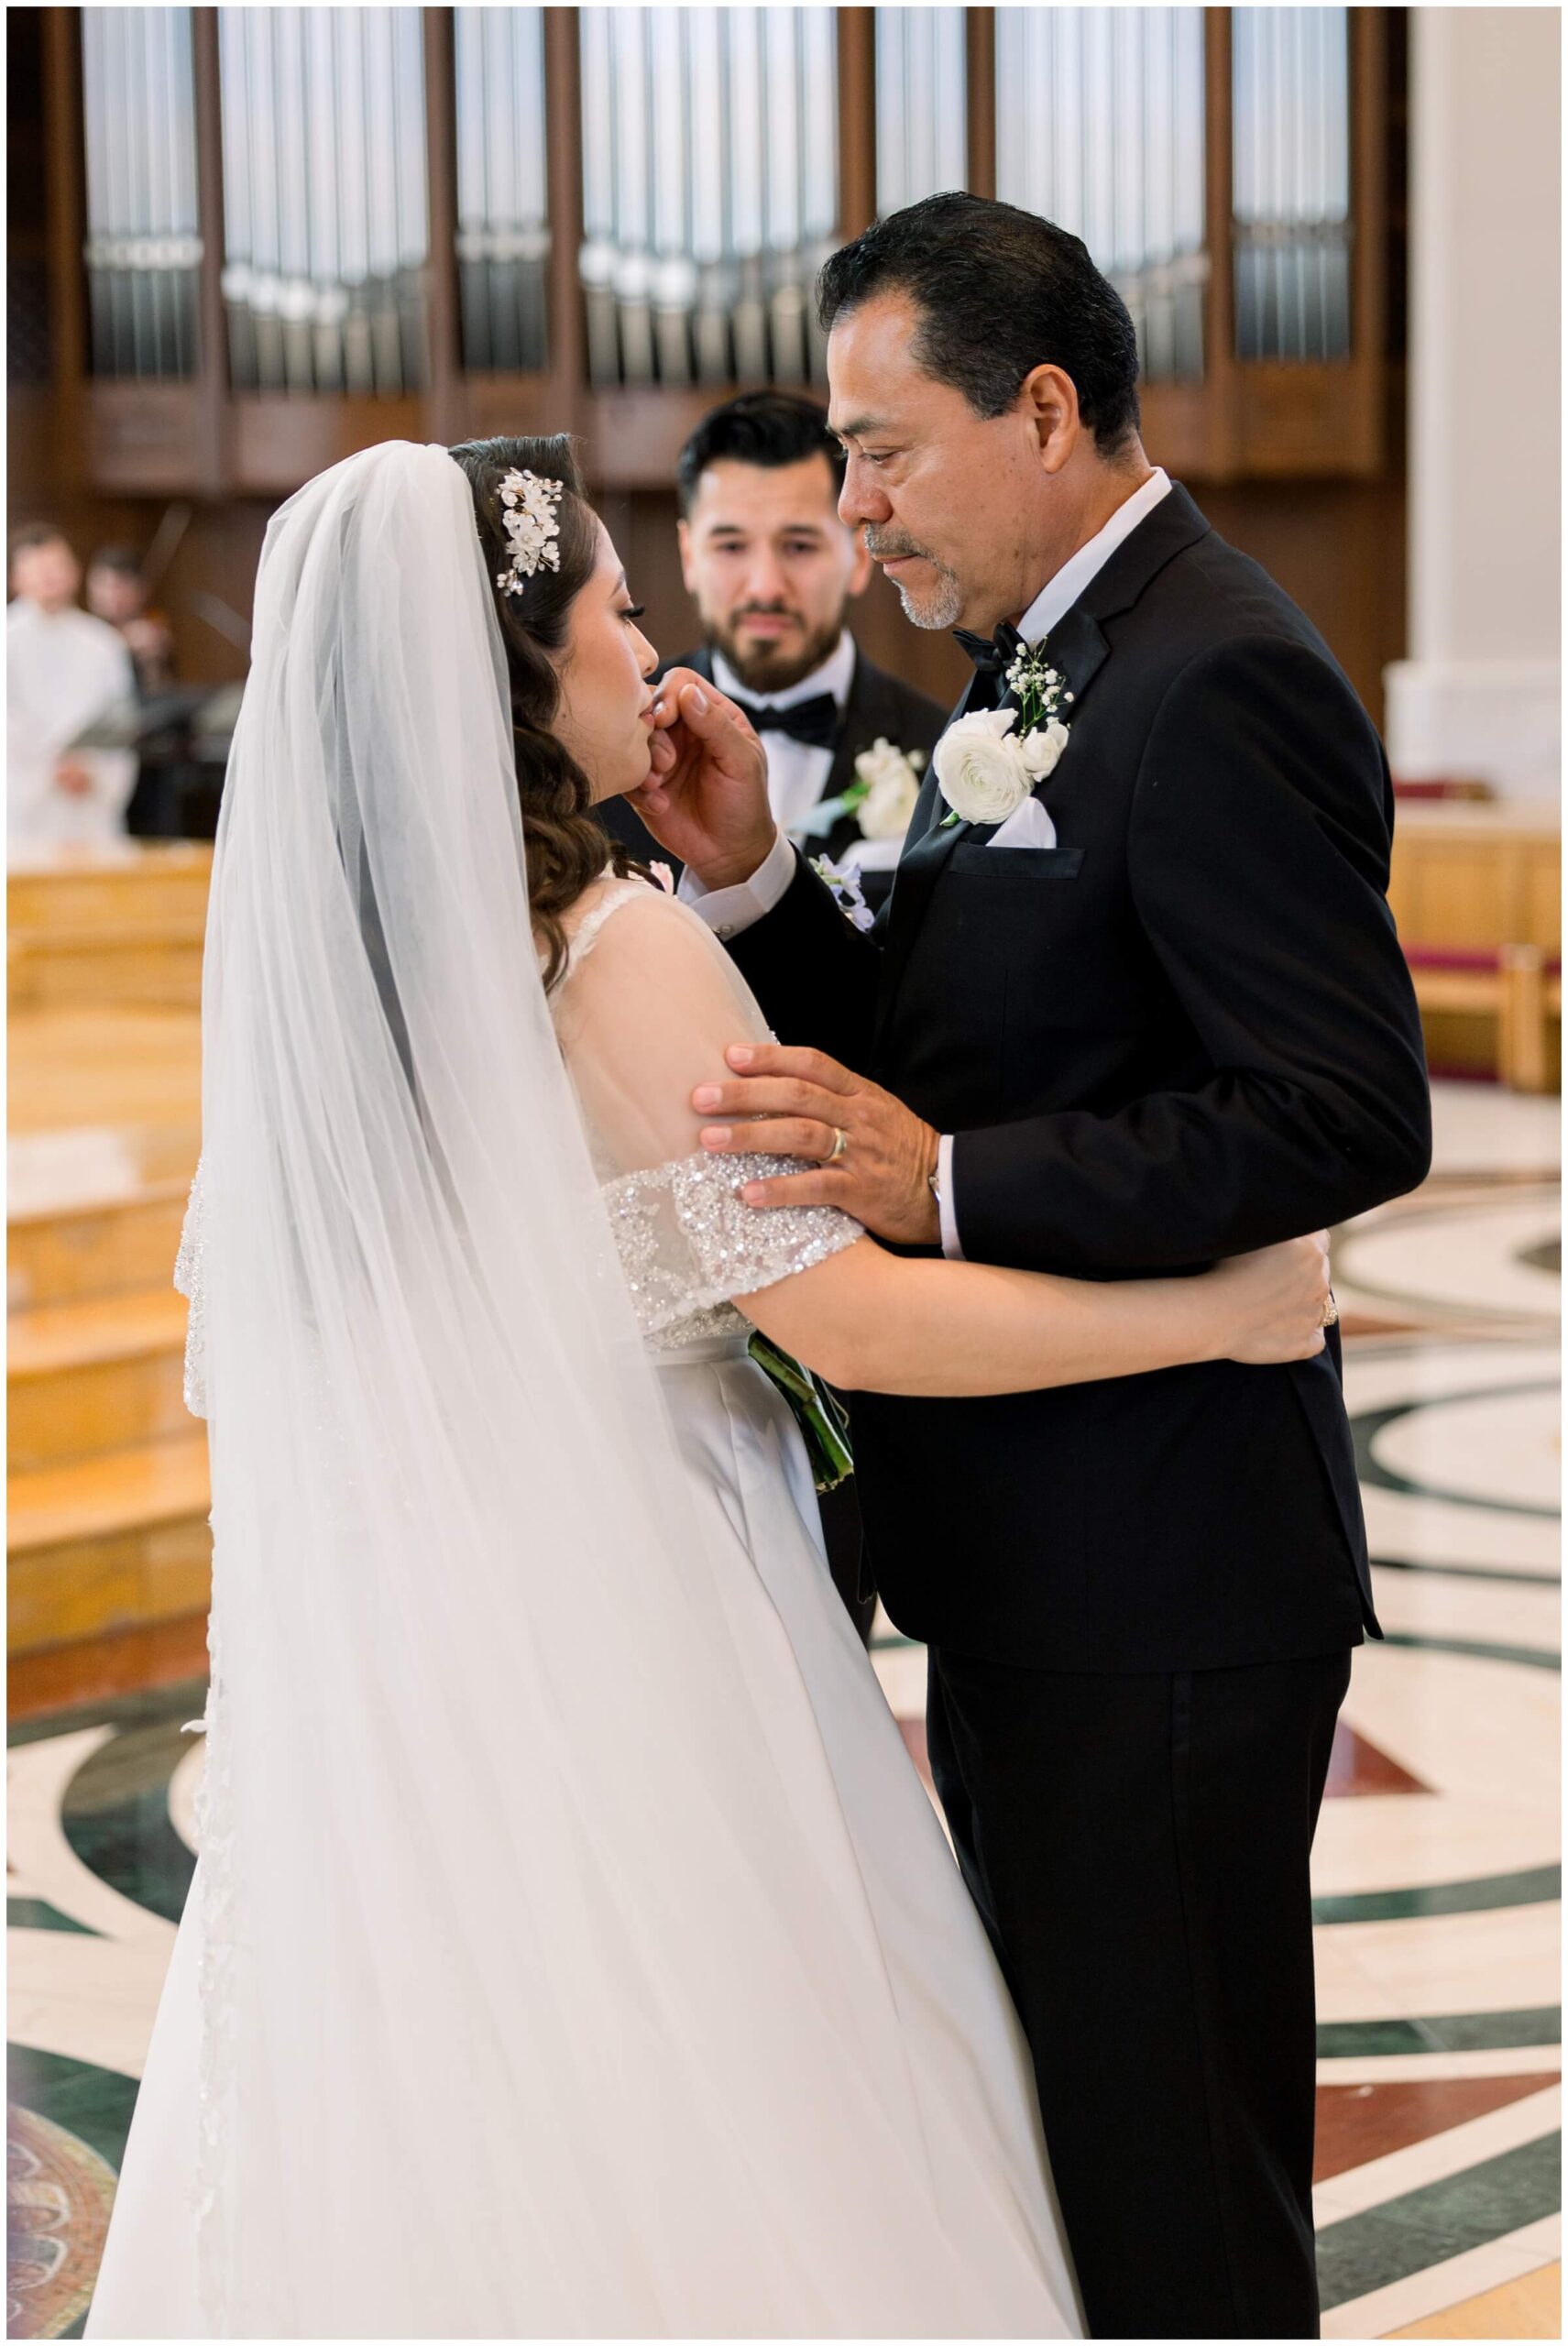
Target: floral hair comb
{"x": 528, "y": 519}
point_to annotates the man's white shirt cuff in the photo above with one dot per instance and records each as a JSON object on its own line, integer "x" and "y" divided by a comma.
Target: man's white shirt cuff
{"x": 950, "y": 1247}
{"x": 727, "y": 911}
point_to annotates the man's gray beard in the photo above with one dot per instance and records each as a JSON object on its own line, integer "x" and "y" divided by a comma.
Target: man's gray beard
{"x": 942, "y": 607}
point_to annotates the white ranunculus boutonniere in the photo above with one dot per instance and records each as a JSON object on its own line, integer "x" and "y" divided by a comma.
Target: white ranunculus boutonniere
{"x": 1043, "y": 748}
{"x": 988, "y": 763}
{"x": 985, "y": 770}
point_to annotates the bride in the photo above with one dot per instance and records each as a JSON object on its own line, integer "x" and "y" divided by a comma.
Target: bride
{"x": 573, "y": 1949}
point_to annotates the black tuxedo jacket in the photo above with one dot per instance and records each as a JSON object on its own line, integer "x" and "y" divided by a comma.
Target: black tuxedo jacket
{"x": 1184, "y": 1031}
{"x": 879, "y": 708}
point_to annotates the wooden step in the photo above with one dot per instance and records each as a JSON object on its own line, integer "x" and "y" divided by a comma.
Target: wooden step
{"x": 55, "y": 970}
{"x": 92, "y": 1670}
{"x": 129, "y": 884}
{"x": 104, "y": 1065}
{"x": 104, "y": 1375}
{"x": 109, "y": 1544}
{"x": 132, "y": 1489}
{"x": 96, "y": 1211}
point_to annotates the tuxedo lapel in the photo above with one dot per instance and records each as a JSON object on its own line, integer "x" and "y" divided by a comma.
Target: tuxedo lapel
{"x": 858, "y": 728}
{"x": 1173, "y": 526}
{"x": 1075, "y": 645}
{"x": 872, "y": 712}
{"x": 877, "y": 707}
{"x": 933, "y": 839}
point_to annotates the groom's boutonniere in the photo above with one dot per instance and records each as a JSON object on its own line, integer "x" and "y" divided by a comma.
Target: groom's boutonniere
{"x": 985, "y": 769}
{"x": 882, "y": 796}
{"x": 887, "y": 783}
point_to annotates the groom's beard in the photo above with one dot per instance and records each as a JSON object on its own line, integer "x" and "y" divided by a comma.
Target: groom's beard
{"x": 940, "y": 604}
{"x": 773, "y": 664}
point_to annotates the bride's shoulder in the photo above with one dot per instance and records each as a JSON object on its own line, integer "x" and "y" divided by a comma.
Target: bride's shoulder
{"x": 647, "y": 919}
{"x": 645, "y": 976}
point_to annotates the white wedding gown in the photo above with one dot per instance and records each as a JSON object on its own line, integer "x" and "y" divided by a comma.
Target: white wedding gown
{"x": 573, "y": 1949}
{"x": 991, "y": 2262}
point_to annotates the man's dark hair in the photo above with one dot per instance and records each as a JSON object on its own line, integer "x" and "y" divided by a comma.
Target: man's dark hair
{"x": 119, "y": 559}
{"x": 999, "y": 291}
{"x": 759, "y": 428}
{"x": 35, "y": 533}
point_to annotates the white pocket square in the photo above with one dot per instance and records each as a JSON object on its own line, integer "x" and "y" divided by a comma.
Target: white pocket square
{"x": 1027, "y": 825}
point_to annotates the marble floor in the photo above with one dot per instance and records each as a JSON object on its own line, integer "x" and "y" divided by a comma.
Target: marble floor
{"x": 1436, "y": 1873}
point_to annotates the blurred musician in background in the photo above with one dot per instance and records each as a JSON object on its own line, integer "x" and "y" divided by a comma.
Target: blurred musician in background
{"x": 117, "y": 593}
{"x": 64, "y": 670}
{"x": 772, "y": 570}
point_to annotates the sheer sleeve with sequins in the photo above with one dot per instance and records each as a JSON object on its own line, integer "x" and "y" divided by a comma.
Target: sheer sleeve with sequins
{"x": 650, "y": 1003}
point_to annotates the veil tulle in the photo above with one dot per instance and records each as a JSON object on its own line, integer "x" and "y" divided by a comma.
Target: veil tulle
{"x": 504, "y": 1871}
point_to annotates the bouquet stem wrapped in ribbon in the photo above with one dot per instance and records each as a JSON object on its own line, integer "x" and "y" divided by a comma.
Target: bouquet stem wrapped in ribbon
{"x": 821, "y": 1419}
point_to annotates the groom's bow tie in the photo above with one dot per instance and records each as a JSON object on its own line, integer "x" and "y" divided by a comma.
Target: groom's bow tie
{"x": 993, "y": 654}
{"x": 814, "y": 720}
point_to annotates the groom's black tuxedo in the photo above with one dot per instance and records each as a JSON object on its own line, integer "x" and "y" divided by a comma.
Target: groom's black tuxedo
{"x": 1183, "y": 1031}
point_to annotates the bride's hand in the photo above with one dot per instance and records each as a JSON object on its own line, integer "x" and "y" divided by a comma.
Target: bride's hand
{"x": 1274, "y": 1302}
{"x": 707, "y": 797}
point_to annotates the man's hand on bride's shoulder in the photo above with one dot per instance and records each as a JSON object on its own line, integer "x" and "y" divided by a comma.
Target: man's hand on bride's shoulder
{"x": 706, "y": 797}
{"x": 1277, "y": 1301}
{"x": 861, "y": 1149}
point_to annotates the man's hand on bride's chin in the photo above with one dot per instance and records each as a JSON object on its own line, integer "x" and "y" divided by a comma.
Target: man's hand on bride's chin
{"x": 706, "y": 798}
{"x": 881, "y": 1174}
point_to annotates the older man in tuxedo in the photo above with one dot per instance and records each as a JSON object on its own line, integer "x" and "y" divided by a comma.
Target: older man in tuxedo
{"x": 773, "y": 570}
{"x": 1156, "y": 1015}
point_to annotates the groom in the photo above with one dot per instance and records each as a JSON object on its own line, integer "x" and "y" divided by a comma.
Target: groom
{"x": 1158, "y": 1017}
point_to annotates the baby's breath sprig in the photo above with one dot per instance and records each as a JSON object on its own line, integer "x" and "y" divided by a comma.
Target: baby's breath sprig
{"x": 1039, "y": 689}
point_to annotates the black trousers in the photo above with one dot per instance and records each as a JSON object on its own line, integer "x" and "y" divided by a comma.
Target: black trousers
{"x": 1138, "y": 1847}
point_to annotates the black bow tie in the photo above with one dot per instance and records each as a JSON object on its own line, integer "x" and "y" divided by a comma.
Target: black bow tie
{"x": 814, "y": 720}
{"x": 993, "y": 654}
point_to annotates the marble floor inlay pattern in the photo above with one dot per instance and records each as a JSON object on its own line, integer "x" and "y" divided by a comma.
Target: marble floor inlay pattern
{"x": 1437, "y": 1886}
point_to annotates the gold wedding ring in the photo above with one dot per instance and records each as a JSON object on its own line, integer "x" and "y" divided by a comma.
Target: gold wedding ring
{"x": 1331, "y": 1312}
{"x": 841, "y": 1146}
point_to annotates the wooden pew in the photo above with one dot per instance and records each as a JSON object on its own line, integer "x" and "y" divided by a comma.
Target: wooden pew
{"x": 114, "y": 925}
{"x": 1476, "y": 891}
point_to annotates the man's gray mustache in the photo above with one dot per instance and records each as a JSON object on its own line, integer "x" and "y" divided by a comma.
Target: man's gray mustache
{"x": 897, "y": 549}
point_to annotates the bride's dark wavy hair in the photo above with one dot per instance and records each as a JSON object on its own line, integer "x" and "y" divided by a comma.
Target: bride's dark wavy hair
{"x": 566, "y": 845}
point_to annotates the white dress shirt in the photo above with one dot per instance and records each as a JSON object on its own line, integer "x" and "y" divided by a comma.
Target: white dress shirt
{"x": 797, "y": 770}
{"x": 729, "y": 910}
{"x": 63, "y": 671}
